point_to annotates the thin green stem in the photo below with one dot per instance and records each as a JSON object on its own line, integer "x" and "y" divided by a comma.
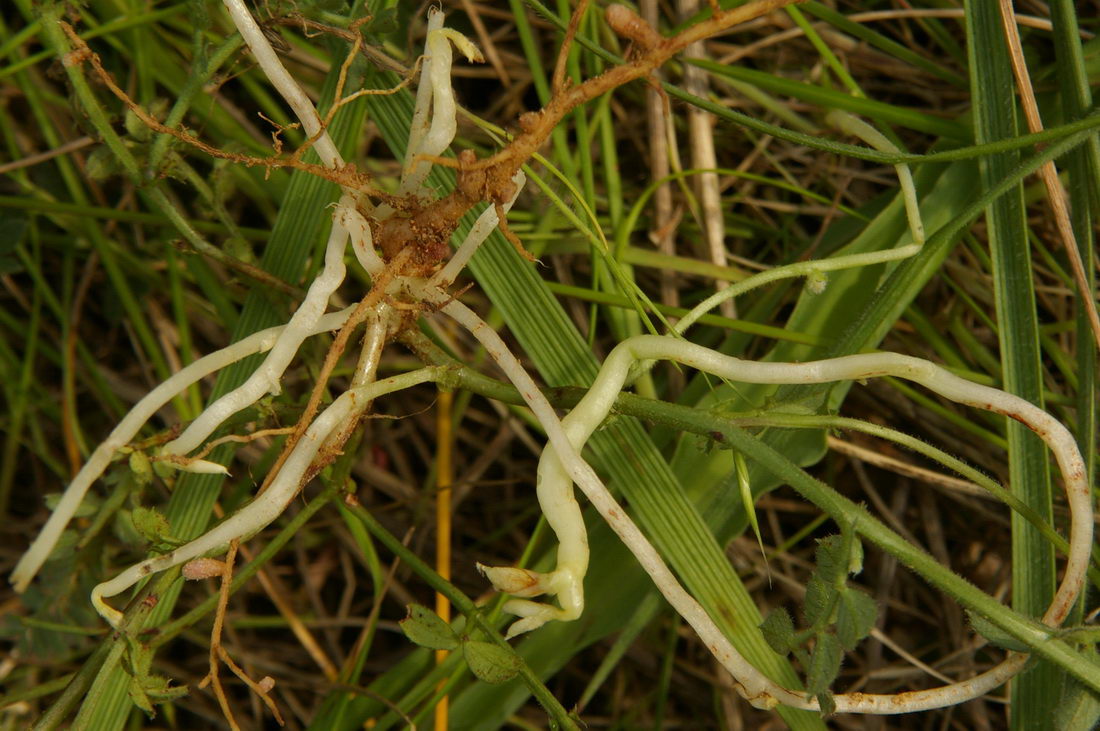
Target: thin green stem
{"x": 842, "y": 510}
{"x": 465, "y": 605}
{"x": 87, "y": 684}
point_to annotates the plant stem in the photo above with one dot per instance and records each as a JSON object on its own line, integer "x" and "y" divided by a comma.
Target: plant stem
{"x": 467, "y": 607}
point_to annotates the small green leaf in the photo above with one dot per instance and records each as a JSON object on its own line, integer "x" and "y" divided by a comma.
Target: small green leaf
{"x": 152, "y": 526}
{"x": 832, "y": 563}
{"x": 818, "y": 601}
{"x": 838, "y": 556}
{"x": 855, "y": 617}
{"x": 143, "y": 470}
{"x": 102, "y": 164}
{"x": 138, "y": 658}
{"x": 995, "y": 634}
{"x": 147, "y": 690}
{"x": 490, "y": 662}
{"x": 135, "y": 127}
{"x": 747, "y": 501}
{"x": 425, "y": 628}
{"x": 828, "y": 705}
{"x": 123, "y": 526}
{"x": 161, "y": 690}
{"x": 239, "y": 249}
{"x": 778, "y": 630}
{"x": 1079, "y": 708}
{"x": 824, "y": 663}
{"x": 144, "y": 688}
{"x": 140, "y": 698}
{"x": 164, "y": 470}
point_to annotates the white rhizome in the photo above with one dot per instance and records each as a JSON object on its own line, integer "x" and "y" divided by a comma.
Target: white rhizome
{"x": 561, "y": 465}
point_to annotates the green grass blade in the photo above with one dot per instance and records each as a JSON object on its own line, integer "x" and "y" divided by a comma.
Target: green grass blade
{"x": 1033, "y": 573}
{"x": 865, "y": 32}
{"x": 1083, "y": 173}
{"x": 832, "y": 99}
{"x": 1079, "y": 708}
{"x": 859, "y": 152}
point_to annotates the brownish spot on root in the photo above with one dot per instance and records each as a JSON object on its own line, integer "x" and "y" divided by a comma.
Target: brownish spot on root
{"x": 529, "y": 121}
{"x": 77, "y": 57}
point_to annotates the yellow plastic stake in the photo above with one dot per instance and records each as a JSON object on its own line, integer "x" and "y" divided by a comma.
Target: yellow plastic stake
{"x": 443, "y": 478}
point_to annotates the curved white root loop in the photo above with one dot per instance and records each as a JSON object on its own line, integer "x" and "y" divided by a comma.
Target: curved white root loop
{"x": 259, "y": 513}
{"x": 128, "y": 428}
{"x": 596, "y": 404}
{"x": 562, "y": 464}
